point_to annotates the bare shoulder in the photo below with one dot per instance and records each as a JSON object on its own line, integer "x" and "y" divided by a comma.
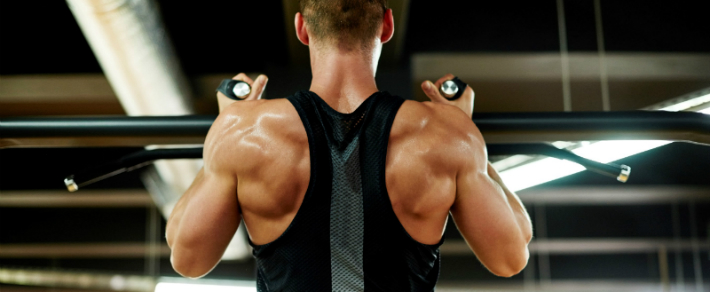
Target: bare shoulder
{"x": 445, "y": 133}
{"x": 249, "y": 128}
{"x": 444, "y": 121}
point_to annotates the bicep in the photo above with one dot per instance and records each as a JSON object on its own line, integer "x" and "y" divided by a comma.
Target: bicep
{"x": 208, "y": 222}
{"x": 482, "y": 213}
{"x": 485, "y": 219}
{"x": 212, "y": 215}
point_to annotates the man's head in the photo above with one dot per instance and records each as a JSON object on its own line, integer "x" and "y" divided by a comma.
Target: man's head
{"x": 345, "y": 24}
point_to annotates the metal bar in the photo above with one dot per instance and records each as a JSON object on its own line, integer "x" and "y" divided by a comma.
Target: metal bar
{"x": 128, "y": 163}
{"x": 564, "y": 56}
{"x": 594, "y": 285}
{"x": 678, "y": 255}
{"x": 557, "y": 196}
{"x": 75, "y": 280}
{"x": 697, "y": 266}
{"x": 152, "y": 256}
{"x": 589, "y": 246}
{"x": 88, "y": 199}
{"x": 543, "y": 255}
{"x": 615, "y": 195}
{"x": 79, "y": 250}
{"x": 144, "y": 157}
{"x": 146, "y": 126}
{"x": 663, "y": 268}
{"x": 620, "y": 172}
{"x": 496, "y": 128}
{"x": 603, "y": 76}
{"x": 451, "y": 247}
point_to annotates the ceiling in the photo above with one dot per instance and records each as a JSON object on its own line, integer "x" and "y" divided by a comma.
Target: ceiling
{"x": 225, "y": 36}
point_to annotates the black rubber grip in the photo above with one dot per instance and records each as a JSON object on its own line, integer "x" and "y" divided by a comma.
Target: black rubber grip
{"x": 227, "y": 88}
{"x": 462, "y": 87}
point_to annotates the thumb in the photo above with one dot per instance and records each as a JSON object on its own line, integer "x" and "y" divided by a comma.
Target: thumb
{"x": 432, "y": 92}
{"x": 257, "y": 88}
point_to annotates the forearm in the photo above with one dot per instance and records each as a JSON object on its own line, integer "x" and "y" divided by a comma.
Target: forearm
{"x": 516, "y": 205}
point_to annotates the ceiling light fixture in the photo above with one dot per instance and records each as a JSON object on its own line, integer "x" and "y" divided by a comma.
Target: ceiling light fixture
{"x": 168, "y": 284}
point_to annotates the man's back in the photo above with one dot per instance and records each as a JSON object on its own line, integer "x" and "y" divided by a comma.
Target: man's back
{"x": 272, "y": 164}
{"x": 278, "y": 179}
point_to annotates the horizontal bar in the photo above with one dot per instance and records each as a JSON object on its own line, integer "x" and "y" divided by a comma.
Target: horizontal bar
{"x": 553, "y": 285}
{"x": 611, "y": 195}
{"x": 164, "y": 126}
{"x": 592, "y": 126}
{"x": 141, "y": 158}
{"x": 496, "y": 128}
{"x": 80, "y": 250}
{"x": 591, "y": 246}
{"x": 128, "y": 163}
{"x": 620, "y": 172}
{"x": 86, "y": 199}
{"x": 59, "y": 279}
{"x": 451, "y": 248}
{"x": 550, "y": 196}
{"x": 82, "y": 281}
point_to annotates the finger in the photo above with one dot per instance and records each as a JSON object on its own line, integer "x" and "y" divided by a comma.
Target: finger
{"x": 243, "y": 77}
{"x": 469, "y": 90}
{"x": 257, "y": 87}
{"x": 441, "y": 80}
{"x": 432, "y": 92}
{"x": 221, "y": 95}
{"x": 470, "y": 94}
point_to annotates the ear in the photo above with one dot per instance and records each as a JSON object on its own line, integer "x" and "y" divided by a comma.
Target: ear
{"x": 387, "y": 27}
{"x": 301, "y": 31}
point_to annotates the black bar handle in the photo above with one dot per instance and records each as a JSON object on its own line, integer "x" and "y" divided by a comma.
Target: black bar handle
{"x": 127, "y": 163}
{"x": 620, "y": 172}
{"x": 142, "y": 158}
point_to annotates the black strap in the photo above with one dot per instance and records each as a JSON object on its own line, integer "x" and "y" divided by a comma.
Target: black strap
{"x": 462, "y": 87}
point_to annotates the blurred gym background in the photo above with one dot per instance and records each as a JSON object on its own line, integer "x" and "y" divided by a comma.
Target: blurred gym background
{"x": 160, "y": 57}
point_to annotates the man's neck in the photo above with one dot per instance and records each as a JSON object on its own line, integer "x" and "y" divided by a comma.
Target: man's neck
{"x": 342, "y": 80}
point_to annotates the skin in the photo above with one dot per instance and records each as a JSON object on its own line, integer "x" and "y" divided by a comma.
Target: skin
{"x": 257, "y": 167}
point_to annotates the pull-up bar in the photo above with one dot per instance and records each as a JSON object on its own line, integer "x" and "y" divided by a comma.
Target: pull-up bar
{"x": 496, "y": 128}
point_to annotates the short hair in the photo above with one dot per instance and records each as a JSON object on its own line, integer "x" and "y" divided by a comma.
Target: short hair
{"x": 347, "y": 24}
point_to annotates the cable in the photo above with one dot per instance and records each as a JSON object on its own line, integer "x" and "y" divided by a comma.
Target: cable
{"x": 604, "y": 78}
{"x": 564, "y": 56}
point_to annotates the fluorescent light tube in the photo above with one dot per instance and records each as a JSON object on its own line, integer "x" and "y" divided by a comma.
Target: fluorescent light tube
{"x": 173, "y": 284}
{"x": 183, "y": 287}
{"x": 548, "y": 169}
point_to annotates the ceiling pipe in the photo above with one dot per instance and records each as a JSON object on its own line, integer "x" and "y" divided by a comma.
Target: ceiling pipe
{"x": 132, "y": 46}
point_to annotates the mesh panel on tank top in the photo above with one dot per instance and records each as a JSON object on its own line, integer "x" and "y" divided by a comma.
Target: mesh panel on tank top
{"x": 346, "y": 204}
{"x": 345, "y": 236}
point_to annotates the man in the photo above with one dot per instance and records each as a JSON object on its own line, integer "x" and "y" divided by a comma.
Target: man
{"x": 346, "y": 188}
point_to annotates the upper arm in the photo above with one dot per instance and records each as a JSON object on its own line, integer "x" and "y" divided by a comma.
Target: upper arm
{"x": 482, "y": 212}
{"x": 209, "y": 213}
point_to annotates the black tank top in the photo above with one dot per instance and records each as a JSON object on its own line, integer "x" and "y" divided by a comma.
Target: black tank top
{"x": 346, "y": 236}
